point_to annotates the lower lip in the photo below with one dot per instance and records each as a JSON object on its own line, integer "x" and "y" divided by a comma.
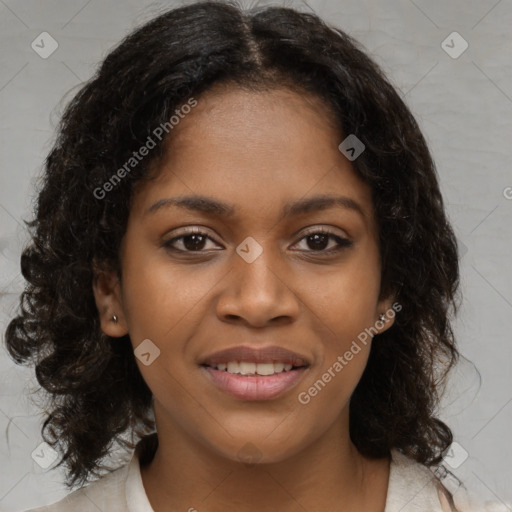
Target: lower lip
{"x": 257, "y": 387}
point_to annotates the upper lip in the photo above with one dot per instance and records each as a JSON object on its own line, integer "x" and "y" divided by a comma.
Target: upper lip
{"x": 272, "y": 353}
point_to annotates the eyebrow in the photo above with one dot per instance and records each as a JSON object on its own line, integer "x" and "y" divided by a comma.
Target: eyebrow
{"x": 208, "y": 205}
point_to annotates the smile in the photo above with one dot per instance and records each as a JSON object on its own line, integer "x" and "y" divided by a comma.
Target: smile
{"x": 250, "y": 381}
{"x": 250, "y": 368}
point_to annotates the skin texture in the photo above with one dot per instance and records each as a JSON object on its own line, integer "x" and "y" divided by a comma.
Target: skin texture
{"x": 255, "y": 151}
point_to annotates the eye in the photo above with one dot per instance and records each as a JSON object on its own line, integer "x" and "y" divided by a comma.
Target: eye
{"x": 193, "y": 240}
{"x": 318, "y": 240}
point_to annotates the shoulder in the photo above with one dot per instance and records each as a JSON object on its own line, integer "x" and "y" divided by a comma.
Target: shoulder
{"x": 113, "y": 491}
{"x": 107, "y": 493}
{"x": 414, "y": 487}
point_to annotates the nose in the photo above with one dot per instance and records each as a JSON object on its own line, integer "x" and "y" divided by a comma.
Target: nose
{"x": 258, "y": 293}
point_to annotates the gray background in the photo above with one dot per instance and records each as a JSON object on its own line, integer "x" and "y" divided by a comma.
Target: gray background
{"x": 464, "y": 107}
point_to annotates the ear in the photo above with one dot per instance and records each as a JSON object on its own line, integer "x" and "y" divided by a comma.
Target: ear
{"x": 386, "y": 311}
{"x": 107, "y": 293}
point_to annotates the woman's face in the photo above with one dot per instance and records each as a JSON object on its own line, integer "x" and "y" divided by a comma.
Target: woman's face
{"x": 254, "y": 274}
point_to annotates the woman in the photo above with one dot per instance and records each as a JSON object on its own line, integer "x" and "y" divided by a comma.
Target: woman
{"x": 241, "y": 258}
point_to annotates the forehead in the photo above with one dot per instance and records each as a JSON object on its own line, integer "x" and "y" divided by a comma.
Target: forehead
{"x": 225, "y": 109}
{"x": 254, "y": 147}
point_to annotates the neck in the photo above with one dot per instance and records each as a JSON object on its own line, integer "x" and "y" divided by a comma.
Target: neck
{"x": 329, "y": 474}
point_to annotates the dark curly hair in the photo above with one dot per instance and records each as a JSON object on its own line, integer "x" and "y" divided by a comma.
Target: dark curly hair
{"x": 94, "y": 390}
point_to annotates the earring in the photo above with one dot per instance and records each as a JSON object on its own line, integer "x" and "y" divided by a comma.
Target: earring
{"x": 382, "y": 317}
{"x": 114, "y": 319}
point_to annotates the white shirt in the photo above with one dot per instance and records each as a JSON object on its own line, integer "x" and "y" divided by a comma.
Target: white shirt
{"x": 412, "y": 488}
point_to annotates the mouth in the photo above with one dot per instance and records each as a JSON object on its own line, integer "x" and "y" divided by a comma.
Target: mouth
{"x": 255, "y": 374}
{"x": 247, "y": 368}
{"x": 248, "y": 356}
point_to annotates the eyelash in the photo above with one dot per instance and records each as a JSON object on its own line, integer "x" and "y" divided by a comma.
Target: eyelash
{"x": 343, "y": 243}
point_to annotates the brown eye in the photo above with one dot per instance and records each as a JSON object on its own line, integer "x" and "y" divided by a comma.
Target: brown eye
{"x": 188, "y": 242}
{"x": 194, "y": 242}
{"x": 318, "y": 241}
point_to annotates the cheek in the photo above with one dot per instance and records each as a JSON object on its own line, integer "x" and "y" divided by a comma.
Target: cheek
{"x": 344, "y": 300}
{"x": 344, "y": 303}
{"x": 342, "y": 313}
{"x": 158, "y": 294}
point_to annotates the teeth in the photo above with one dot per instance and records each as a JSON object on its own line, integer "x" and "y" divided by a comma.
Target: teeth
{"x": 233, "y": 367}
{"x": 247, "y": 368}
{"x": 279, "y": 367}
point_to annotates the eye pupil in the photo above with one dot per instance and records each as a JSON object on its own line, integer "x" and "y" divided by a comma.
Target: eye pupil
{"x": 197, "y": 241}
{"x": 319, "y": 238}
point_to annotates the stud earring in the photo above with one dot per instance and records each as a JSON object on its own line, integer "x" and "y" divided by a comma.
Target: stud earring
{"x": 114, "y": 319}
{"x": 382, "y": 317}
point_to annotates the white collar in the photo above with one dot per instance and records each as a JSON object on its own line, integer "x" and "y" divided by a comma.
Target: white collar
{"x": 136, "y": 496}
